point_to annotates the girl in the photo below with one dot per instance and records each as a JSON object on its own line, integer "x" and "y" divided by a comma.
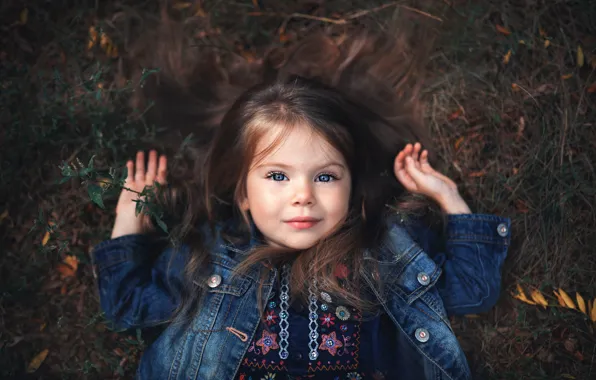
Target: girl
{"x": 299, "y": 256}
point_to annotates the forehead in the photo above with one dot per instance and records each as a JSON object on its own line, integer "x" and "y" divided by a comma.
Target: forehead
{"x": 299, "y": 145}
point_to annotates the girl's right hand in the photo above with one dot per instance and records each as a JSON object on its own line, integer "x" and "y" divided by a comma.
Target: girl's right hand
{"x": 127, "y": 222}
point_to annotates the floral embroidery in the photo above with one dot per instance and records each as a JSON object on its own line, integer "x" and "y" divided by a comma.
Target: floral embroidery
{"x": 270, "y": 317}
{"x": 343, "y": 328}
{"x": 327, "y": 320}
{"x": 330, "y": 343}
{"x": 342, "y": 313}
{"x": 341, "y": 271}
{"x": 268, "y": 342}
{"x": 353, "y": 376}
{"x": 268, "y": 376}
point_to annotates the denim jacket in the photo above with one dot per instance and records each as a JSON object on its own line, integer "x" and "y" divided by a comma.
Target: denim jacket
{"x": 423, "y": 288}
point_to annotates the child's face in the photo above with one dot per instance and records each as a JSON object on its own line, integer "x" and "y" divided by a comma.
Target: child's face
{"x": 304, "y": 176}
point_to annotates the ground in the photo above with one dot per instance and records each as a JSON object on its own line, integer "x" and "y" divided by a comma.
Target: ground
{"x": 510, "y": 99}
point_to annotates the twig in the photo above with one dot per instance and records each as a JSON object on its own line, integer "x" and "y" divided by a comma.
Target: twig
{"x": 342, "y": 21}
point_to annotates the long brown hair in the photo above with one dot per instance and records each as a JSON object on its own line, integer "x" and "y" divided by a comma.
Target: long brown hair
{"x": 359, "y": 92}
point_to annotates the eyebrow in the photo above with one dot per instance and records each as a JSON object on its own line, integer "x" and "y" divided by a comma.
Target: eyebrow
{"x": 287, "y": 167}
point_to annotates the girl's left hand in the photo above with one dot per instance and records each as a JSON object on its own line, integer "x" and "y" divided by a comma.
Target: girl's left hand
{"x": 414, "y": 172}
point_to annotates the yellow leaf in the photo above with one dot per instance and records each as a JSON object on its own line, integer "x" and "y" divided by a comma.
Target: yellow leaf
{"x": 522, "y": 296}
{"x": 181, "y": 5}
{"x": 24, "y": 16}
{"x": 546, "y": 43}
{"x": 45, "y": 239}
{"x": 593, "y": 312}
{"x": 506, "y": 57}
{"x": 589, "y": 310}
{"x": 566, "y": 76}
{"x": 522, "y": 42}
{"x": 4, "y": 215}
{"x": 92, "y": 37}
{"x": 73, "y": 261}
{"x": 42, "y": 327}
{"x": 580, "y": 302}
{"x": 514, "y": 87}
{"x": 37, "y": 360}
{"x": 539, "y": 298}
{"x": 580, "y": 56}
{"x": 568, "y": 301}
{"x": 559, "y": 299}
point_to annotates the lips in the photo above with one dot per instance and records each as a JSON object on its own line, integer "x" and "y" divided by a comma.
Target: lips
{"x": 302, "y": 222}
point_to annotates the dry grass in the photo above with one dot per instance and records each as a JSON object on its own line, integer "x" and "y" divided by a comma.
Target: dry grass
{"x": 520, "y": 135}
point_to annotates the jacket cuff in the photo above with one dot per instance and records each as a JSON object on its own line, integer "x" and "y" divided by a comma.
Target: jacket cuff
{"x": 121, "y": 249}
{"x": 485, "y": 228}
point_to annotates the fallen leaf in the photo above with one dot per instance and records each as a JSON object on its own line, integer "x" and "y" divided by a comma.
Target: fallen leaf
{"x": 181, "y": 5}
{"x": 522, "y": 42}
{"x": 5, "y": 213}
{"x": 579, "y": 356}
{"x": 580, "y": 56}
{"x": 542, "y": 32}
{"x": 559, "y": 299}
{"x": 539, "y": 298}
{"x": 566, "y": 76}
{"x": 592, "y": 88}
{"x": 503, "y": 30}
{"x": 568, "y": 301}
{"x": 92, "y": 37}
{"x": 200, "y": 11}
{"x": 481, "y": 173}
{"x": 567, "y": 376}
{"x": 68, "y": 268}
{"x": 458, "y": 142}
{"x": 24, "y": 16}
{"x": 520, "y": 295}
{"x": 37, "y": 360}
{"x": 456, "y": 114}
{"x": 593, "y": 312}
{"x": 514, "y": 87}
{"x": 472, "y": 316}
{"x": 45, "y": 239}
{"x": 580, "y": 302}
{"x": 546, "y": 43}
{"x": 506, "y": 57}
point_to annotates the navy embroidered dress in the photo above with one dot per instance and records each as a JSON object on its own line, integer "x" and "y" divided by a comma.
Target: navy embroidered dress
{"x": 349, "y": 346}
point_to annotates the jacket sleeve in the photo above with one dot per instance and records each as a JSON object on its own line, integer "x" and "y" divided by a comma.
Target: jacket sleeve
{"x": 137, "y": 290}
{"x": 471, "y": 255}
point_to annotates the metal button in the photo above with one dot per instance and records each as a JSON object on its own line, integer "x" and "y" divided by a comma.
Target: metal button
{"x": 214, "y": 281}
{"x": 423, "y": 278}
{"x": 502, "y": 229}
{"x": 422, "y": 335}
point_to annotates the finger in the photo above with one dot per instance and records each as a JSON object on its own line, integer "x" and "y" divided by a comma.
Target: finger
{"x": 162, "y": 170}
{"x": 413, "y": 171}
{"x": 151, "y": 168}
{"x": 425, "y": 166}
{"x": 406, "y": 180}
{"x": 129, "y": 171}
{"x": 140, "y": 169}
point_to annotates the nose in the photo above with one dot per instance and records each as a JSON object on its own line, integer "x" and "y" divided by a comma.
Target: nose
{"x": 303, "y": 193}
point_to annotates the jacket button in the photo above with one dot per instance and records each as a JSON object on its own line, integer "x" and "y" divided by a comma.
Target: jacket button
{"x": 423, "y": 278}
{"x": 421, "y": 335}
{"x": 214, "y": 281}
{"x": 502, "y": 229}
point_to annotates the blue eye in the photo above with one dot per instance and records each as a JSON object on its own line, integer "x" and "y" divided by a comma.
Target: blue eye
{"x": 326, "y": 177}
{"x": 276, "y": 176}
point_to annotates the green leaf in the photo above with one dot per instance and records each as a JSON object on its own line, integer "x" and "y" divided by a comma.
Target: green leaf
{"x": 95, "y": 192}
{"x": 162, "y": 225}
{"x": 138, "y": 208}
{"x": 90, "y": 164}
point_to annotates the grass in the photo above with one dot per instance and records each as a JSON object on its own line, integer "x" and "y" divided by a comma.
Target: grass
{"x": 520, "y": 137}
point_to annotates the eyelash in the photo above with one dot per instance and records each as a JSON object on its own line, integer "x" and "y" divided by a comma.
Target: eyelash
{"x": 332, "y": 176}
